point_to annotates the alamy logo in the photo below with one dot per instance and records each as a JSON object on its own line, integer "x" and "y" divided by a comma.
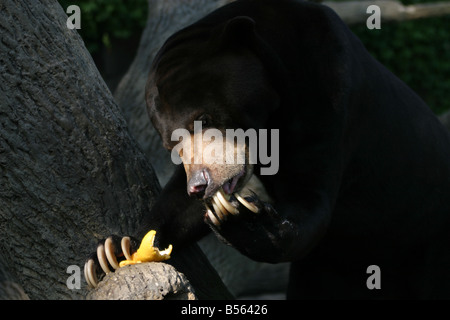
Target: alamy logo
{"x": 74, "y": 20}
{"x": 374, "y": 280}
{"x": 210, "y": 146}
{"x": 74, "y": 280}
{"x": 374, "y": 21}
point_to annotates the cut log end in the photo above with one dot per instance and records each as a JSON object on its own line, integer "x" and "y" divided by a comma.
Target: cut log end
{"x": 145, "y": 281}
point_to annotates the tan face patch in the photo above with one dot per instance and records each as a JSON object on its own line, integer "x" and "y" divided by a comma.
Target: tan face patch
{"x": 211, "y": 150}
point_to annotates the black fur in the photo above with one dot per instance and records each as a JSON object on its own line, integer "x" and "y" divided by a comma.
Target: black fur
{"x": 364, "y": 174}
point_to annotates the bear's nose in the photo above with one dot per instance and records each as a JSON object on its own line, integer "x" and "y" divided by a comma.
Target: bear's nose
{"x": 198, "y": 183}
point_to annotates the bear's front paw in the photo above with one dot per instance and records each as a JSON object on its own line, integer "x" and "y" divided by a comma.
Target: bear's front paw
{"x": 116, "y": 252}
{"x": 106, "y": 258}
{"x": 245, "y": 223}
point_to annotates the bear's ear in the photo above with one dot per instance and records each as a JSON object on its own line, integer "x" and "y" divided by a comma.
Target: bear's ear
{"x": 239, "y": 25}
{"x": 238, "y": 30}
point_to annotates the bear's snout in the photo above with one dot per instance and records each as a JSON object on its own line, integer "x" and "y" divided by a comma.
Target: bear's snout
{"x": 198, "y": 183}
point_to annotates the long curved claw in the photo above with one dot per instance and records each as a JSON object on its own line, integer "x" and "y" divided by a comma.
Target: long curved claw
{"x": 219, "y": 210}
{"x": 102, "y": 259}
{"x": 126, "y": 246}
{"x": 212, "y": 217}
{"x": 222, "y": 198}
{"x": 110, "y": 253}
{"x": 245, "y": 203}
{"x": 106, "y": 257}
{"x": 89, "y": 273}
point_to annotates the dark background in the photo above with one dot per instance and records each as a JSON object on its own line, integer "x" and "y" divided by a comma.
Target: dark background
{"x": 416, "y": 51}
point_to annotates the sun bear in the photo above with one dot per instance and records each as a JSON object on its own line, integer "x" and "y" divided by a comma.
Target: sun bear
{"x": 362, "y": 177}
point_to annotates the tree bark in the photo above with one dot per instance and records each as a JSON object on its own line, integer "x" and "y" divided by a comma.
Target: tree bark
{"x": 70, "y": 172}
{"x": 9, "y": 288}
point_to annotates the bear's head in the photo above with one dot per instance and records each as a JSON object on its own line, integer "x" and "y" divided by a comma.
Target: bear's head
{"x": 207, "y": 86}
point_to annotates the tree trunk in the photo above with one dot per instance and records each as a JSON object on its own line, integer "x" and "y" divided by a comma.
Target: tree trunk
{"x": 70, "y": 172}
